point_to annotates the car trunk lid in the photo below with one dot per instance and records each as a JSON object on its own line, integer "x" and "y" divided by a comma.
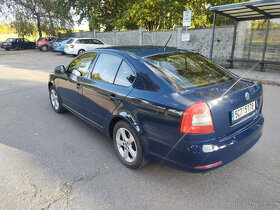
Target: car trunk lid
{"x": 226, "y": 97}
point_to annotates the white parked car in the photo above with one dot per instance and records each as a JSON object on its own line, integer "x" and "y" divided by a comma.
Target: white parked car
{"x": 77, "y": 46}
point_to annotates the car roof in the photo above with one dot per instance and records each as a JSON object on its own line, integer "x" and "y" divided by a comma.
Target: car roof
{"x": 85, "y": 38}
{"x": 142, "y": 51}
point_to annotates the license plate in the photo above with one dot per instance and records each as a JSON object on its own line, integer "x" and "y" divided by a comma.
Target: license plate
{"x": 4, "y": 43}
{"x": 242, "y": 111}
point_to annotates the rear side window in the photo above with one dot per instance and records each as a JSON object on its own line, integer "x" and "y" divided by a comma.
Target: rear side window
{"x": 125, "y": 76}
{"x": 188, "y": 70}
{"x": 96, "y": 41}
{"x": 106, "y": 68}
{"x": 80, "y": 41}
{"x": 82, "y": 63}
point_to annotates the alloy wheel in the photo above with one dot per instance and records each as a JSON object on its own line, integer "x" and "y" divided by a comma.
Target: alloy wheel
{"x": 126, "y": 145}
{"x": 54, "y": 99}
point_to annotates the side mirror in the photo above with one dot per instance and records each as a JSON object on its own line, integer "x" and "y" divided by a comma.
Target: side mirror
{"x": 60, "y": 69}
{"x": 76, "y": 73}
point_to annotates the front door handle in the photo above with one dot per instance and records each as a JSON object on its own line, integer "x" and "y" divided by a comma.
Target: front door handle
{"x": 113, "y": 97}
{"x": 78, "y": 86}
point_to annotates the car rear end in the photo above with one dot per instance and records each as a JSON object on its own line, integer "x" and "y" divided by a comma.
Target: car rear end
{"x": 69, "y": 47}
{"x": 52, "y": 44}
{"x": 40, "y": 42}
{"x": 8, "y": 44}
{"x": 223, "y": 121}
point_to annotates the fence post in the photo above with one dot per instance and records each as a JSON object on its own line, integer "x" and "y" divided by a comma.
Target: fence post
{"x": 115, "y": 36}
{"x": 94, "y": 33}
{"x": 141, "y": 29}
{"x": 179, "y": 36}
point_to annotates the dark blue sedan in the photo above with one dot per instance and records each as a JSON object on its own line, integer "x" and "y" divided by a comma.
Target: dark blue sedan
{"x": 164, "y": 105}
{"x": 18, "y": 43}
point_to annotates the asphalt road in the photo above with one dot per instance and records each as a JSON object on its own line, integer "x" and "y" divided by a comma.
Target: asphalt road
{"x": 57, "y": 161}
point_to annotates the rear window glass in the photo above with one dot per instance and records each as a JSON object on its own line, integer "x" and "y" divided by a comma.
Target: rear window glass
{"x": 69, "y": 41}
{"x": 186, "y": 70}
{"x": 10, "y": 40}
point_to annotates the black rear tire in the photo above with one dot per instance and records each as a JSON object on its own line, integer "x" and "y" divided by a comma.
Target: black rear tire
{"x": 44, "y": 48}
{"x": 81, "y": 52}
{"x": 140, "y": 160}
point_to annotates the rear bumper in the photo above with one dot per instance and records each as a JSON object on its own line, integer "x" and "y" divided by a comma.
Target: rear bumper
{"x": 189, "y": 155}
{"x": 58, "y": 50}
{"x": 70, "y": 51}
{"x": 6, "y": 46}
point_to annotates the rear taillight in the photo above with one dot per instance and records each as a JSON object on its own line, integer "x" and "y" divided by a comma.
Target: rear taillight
{"x": 71, "y": 46}
{"x": 59, "y": 45}
{"x": 10, "y": 44}
{"x": 197, "y": 119}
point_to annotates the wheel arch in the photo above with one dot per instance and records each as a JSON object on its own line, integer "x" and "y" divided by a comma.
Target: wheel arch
{"x": 125, "y": 116}
{"x": 50, "y": 84}
{"x": 80, "y": 50}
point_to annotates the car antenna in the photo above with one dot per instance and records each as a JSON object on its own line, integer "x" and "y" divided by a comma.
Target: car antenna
{"x": 167, "y": 43}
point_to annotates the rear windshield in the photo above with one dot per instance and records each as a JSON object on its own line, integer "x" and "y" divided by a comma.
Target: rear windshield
{"x": 69, "y": 41}
{"x": 40, "y": 39}
{"x": 186, "y": 70}
{"x": 10, "y": 40}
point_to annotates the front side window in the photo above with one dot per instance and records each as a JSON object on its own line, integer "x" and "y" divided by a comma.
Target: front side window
{"x": 186, "y": 70}
{"x": 82, "y": 63}
{"x": 125, "y": 76}
{"x": 106, "y": 68}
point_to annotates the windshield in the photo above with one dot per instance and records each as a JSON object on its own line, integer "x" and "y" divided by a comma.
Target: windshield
{"x": 186, "y": 70}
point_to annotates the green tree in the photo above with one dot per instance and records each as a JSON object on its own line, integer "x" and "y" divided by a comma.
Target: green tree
{"x": 151, "y": 14}
{"x": 22, "y": 26}
{"x": 48, "y": 15}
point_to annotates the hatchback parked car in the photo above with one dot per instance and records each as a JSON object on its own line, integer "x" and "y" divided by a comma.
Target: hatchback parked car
{"x": 43, "y": 43}
{"x": 165, "y": 105}
{"x": 77, "y": 46}
{"x": 59, "y": 46}
{"x": 54, "y": 42}
{"x": 18, "y": 43}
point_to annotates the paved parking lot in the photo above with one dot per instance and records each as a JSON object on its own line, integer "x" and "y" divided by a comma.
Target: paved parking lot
{"x": 57, "y": 161}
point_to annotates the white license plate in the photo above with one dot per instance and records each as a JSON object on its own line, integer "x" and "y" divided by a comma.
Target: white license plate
{"x": 242, "y": 111}
{"x": 4, "y": 43}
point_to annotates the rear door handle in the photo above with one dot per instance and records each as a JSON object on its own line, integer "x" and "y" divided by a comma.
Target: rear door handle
{"x": 113, "y": 97}
{"x": 78, "y": 86}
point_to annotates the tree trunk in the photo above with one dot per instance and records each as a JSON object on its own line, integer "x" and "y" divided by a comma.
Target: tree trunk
{"x": 52, "y": 25}
{"x": 39, "y": 25}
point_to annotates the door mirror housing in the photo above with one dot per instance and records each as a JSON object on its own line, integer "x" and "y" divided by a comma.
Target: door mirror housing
{"x": 76, "y": 73}
{"x": 60, "y": 69}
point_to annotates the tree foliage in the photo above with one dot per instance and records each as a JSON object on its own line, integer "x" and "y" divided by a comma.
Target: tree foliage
{"x": 151, "y": 14}
{"x": 47, "y": 15}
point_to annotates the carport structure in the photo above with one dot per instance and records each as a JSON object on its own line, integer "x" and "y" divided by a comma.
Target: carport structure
{"x": 253, "y": 10}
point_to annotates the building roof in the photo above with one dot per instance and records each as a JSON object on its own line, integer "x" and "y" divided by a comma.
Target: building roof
{"x": 252, "y": 10}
